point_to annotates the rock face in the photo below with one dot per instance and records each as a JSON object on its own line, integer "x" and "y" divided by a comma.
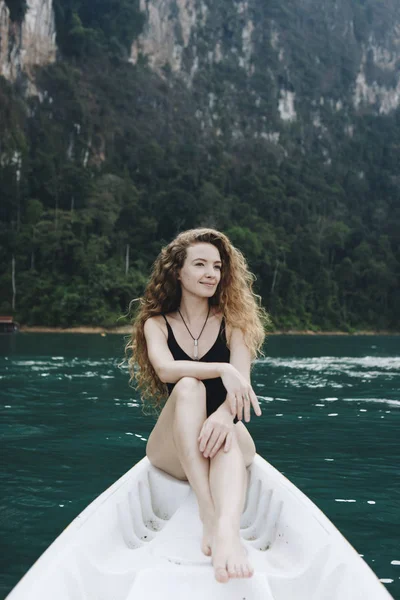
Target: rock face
{"x": 167, "y": 31}
{"x": 297, "y": 46}
{"x": 339, "y": 53}
{"x": 257, "y": 69}
{"x": 27, "y": 44}
{"x": 375, "y": 91}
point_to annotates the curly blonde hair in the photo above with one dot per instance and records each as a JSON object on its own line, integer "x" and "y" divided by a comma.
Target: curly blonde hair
{"x": 234, "y": 297}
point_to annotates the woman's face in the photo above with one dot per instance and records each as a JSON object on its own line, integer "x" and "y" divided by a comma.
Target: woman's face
{"x": 201, "y": 271}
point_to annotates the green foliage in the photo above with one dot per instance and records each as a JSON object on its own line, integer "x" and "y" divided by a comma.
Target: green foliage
{"x": 85, "y": 28}
{"x": 115, "y": 161}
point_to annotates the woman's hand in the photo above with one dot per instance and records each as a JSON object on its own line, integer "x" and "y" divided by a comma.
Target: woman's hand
{"x": 240, "y": 394}
{"x": 216, "y": 430}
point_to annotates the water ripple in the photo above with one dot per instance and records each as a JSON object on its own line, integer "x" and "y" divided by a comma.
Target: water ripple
{"x": 335, "y": 364}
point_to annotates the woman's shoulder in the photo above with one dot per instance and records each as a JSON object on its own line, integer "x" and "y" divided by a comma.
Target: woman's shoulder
{"x": 164, "y": 319}
{"x": 154, "y": 323}
{"x": 232, "y": 330}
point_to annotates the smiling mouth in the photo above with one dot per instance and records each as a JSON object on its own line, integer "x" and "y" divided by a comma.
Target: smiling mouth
{"x": 209, "y": 284}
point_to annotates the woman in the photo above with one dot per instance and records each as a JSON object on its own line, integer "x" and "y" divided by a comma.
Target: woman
{"x": 197, "y": 330}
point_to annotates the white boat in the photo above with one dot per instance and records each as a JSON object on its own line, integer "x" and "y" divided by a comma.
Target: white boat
{"x": 140, "y": 540}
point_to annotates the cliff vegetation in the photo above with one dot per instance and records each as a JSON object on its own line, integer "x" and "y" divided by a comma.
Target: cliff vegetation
{"x": 113, "y": 157}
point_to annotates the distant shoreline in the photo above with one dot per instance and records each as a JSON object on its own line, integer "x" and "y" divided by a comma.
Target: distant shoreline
{"x": 126, "y": 329}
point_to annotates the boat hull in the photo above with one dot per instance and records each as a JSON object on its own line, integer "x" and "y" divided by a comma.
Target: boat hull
{"x": 140, "y": 539}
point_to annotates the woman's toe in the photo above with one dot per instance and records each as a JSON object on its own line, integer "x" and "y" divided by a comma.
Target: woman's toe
{"x": 221, "y": 574}
{"x": 245, "y": 571}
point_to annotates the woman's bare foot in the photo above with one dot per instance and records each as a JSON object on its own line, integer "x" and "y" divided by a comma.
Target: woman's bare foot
{"x": 229, "y": 555}
{"x": 208, "y": 528}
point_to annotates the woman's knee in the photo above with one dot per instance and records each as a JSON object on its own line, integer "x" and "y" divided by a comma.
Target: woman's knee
{"x": 190, "y": 400}
{"x": 189, "y": 387}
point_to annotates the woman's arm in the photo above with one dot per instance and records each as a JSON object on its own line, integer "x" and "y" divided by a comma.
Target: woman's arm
{"x": 240, "y": 354}
{"x": 240, "y": 359}
{"x": 217, "y": 429}
{"x": 168, "y": 369}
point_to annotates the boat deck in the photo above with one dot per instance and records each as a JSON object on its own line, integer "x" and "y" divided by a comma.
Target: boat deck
{"x": 140, "y": 540}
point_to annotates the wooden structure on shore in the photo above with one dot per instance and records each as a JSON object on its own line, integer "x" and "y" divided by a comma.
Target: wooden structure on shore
{"x": 8, "y": 325}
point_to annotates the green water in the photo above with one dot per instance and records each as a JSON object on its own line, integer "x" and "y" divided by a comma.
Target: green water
{"x": 70, "y": 426}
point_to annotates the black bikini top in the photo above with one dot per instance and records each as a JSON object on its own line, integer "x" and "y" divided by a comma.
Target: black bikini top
{"x": 219, "y": 351}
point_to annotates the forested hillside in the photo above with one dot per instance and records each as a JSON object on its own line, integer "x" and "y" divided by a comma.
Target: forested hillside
{"x": 114, "y": 154}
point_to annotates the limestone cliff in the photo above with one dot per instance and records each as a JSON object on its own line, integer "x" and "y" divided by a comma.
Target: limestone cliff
{"x": 305, "y": 51}
{"x": 27, "y": 44}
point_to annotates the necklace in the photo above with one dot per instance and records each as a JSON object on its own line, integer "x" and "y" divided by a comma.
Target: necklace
{"x": 196, "y": 348}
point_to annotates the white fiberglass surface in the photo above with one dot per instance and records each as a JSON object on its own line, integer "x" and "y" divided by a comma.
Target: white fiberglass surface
{"x": 141, "y": 539}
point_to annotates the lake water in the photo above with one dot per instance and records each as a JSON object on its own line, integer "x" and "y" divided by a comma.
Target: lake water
{"x": 70, "y": 426}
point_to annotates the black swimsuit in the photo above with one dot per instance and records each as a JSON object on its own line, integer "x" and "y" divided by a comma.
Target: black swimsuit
{"x": 219, "y": 352}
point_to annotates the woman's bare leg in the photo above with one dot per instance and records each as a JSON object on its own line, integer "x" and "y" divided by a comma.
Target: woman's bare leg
{"x": 173, "y": 446}
{"x": 228, "y": 484}
{"x": 188, "y": 421}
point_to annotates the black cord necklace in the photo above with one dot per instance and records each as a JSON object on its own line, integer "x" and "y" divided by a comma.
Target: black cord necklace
{"x": 196, "y": 348}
